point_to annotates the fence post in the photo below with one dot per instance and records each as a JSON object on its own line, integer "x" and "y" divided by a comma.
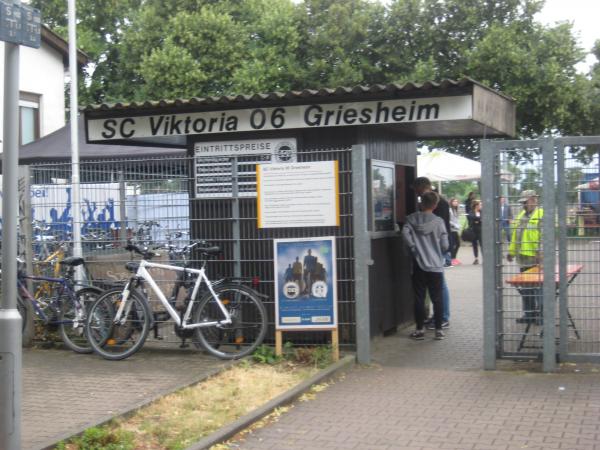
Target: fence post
{"x": 235, "y": 215}
{"x": 26, "y": 230}
{"x": 490, "y": 251}
{"x": 122, "y": 208}
{"x": 562, "y": 250}
{"x": 549, "y": 259}
{"x": 362, "y": 254}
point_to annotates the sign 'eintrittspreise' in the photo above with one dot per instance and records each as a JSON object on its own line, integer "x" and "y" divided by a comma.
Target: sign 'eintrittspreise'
{"x": 281, "y": 118}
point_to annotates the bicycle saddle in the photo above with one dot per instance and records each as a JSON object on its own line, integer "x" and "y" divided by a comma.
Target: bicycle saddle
{"x": 132, "y": 266}
{"x": 72, "y": 261}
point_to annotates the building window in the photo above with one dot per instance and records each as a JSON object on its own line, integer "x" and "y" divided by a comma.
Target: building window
{"x": 29, "y": 115}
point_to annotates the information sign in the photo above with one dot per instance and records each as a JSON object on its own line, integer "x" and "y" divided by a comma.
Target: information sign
{"x": 305, "y": 283}
{"x": 215, "y": 163}
{"x": 298, "y": 195}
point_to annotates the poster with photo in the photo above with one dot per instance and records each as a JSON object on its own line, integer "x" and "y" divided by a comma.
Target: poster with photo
{"x": 305, "y": 283}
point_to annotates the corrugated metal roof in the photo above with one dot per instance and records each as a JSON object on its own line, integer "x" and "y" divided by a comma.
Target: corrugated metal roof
{"x": 234, "y": 100}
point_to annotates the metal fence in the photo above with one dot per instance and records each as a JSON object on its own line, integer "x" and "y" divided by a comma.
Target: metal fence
{"x": 531, "y": 312}
{"x": 154, "y": 202}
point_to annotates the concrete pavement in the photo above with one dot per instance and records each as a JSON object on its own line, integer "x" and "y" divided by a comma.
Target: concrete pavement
{"x": 433, "y": 395}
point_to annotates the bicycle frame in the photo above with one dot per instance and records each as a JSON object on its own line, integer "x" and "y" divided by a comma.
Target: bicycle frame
{"x": 143, "y": 274}
{"x": 64, "y": 289}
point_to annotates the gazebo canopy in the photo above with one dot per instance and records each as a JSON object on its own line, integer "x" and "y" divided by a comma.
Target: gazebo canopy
{"x": 443, "y": 166}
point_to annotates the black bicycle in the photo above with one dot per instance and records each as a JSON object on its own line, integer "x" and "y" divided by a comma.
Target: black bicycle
{"x": 65, "y": 307}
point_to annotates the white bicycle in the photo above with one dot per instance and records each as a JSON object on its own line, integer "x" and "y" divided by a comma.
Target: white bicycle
{"x": 227, "y": 319}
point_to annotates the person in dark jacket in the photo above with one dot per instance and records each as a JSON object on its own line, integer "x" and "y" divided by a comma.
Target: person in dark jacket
{"x": 426, "y": 236}
{"x": 474, "y": 219}
{"x": 469, "y": 202}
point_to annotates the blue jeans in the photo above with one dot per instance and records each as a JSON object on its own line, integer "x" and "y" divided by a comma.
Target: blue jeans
{"x": 445, "y": 301}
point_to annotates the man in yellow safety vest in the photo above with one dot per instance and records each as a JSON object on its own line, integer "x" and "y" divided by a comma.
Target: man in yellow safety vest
{"x": 525, "y": 245}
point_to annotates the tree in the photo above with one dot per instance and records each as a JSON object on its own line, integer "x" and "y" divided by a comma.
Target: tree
{"x": 100, "y": 25}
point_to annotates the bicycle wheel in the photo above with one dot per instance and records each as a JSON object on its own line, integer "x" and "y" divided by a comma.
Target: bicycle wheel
{"x": 72, "y": 319}
{"x": 248, "y": 327}
{"x": 120, "y": 340}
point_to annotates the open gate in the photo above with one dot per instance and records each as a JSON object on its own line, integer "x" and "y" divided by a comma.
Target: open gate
{"x": 529, "y": 311}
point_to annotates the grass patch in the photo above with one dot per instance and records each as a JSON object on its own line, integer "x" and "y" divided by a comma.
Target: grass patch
{"x": 176, "y": 421}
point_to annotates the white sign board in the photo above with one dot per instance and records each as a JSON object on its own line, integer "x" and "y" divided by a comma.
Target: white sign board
{"x": 298, "y": 195}
{"x": 282, "y": 118}
{"x": 214, "y": 163}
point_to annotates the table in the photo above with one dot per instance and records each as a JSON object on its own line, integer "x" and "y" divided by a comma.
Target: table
{"x": 534, "y": 278}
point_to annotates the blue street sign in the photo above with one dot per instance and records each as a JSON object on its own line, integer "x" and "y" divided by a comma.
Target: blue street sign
{"x": 20, "y": 24}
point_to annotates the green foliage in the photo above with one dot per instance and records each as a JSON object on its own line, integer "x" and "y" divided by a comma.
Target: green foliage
{"x": 155, "y": 49}
{"x": 265, "y": 355}
{"x": 97, "y": 438}
{"x": 318, "y": 356}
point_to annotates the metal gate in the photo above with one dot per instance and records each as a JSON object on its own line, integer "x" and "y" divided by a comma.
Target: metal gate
{"x": 530, "y": 312}
{"x": 153, "y": 200}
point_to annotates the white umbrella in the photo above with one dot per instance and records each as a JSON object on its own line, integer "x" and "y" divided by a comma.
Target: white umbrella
{"x": 442, "y": 166}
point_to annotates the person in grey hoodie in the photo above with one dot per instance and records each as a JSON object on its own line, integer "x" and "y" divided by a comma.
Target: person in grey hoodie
{"x": 426, "y": 236}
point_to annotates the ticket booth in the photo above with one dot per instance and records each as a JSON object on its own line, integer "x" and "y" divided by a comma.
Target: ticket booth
{"x": 370, "y": 135}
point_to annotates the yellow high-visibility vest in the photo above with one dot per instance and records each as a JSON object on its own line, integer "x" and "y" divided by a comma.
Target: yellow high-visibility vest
{"x": 531, "y": 237}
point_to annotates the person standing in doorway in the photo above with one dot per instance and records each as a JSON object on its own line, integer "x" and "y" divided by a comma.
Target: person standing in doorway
{"x": 474, "y": 219}
{"x": 505, "y": 218}
{"x": 426, "y": 236}
{"x": 469, "y": 202}
{"x": 525, "y": 245}
{"x": 442, "y": 210}
{"x": 454, "y": 231}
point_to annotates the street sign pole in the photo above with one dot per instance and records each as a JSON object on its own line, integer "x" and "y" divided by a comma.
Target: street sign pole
{"x": 10, "y": 320}
{"x": 19, "y": 25}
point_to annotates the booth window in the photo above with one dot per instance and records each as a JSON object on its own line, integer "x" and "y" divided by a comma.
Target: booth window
{"x": 29, "y": 117}
{"x": 381, "y": 195}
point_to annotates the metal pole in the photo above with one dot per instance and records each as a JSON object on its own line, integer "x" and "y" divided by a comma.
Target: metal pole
{"x": 549, "y": 260}
{"x": 562, "y": 252}
{"x": 75, "y": 194}
{"x": 235, "y": 213}
{"x": 122, "y": 209}
{"x": 490, "y": 250}
{"x": 10, "y": 320}
{"x": 362, "y": 254}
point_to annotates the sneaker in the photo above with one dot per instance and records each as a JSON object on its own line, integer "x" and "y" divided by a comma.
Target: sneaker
{"x": 456, "y": 262}
{"x": 476, "y": 261}
{"x": 439, "y": 335}
{"x": 417, "y": 335}
{"x": 445, "y": 324}
{"x": 428, "y": 321}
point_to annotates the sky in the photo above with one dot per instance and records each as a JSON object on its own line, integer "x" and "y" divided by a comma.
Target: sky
{"x": 584, "y": 14}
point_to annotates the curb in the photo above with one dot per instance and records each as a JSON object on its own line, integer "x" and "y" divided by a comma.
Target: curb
{"x": 132, "y": 410}
{"x": 287, "y": 397}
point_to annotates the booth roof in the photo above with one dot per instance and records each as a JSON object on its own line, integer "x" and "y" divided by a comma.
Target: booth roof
{"x": 56, "y": 146}
{"x": 428, "y": 87}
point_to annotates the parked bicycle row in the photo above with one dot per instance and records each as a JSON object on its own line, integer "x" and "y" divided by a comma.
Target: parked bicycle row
{"x": 225, "y": 317}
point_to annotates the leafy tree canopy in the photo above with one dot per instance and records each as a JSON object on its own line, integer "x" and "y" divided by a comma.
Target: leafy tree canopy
{"x": 152, "y": 49}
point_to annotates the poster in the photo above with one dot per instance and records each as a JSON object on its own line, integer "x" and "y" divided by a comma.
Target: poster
{"x": 305, "y": 283}
{"x": 298, "y": 195}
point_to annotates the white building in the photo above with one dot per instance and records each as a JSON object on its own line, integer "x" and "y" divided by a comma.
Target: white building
{"x": 41, "y": 86}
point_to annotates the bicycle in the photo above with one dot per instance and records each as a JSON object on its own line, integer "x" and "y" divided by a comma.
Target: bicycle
{"x": 229, "y": 320}
{"x": 65, "y": 308}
